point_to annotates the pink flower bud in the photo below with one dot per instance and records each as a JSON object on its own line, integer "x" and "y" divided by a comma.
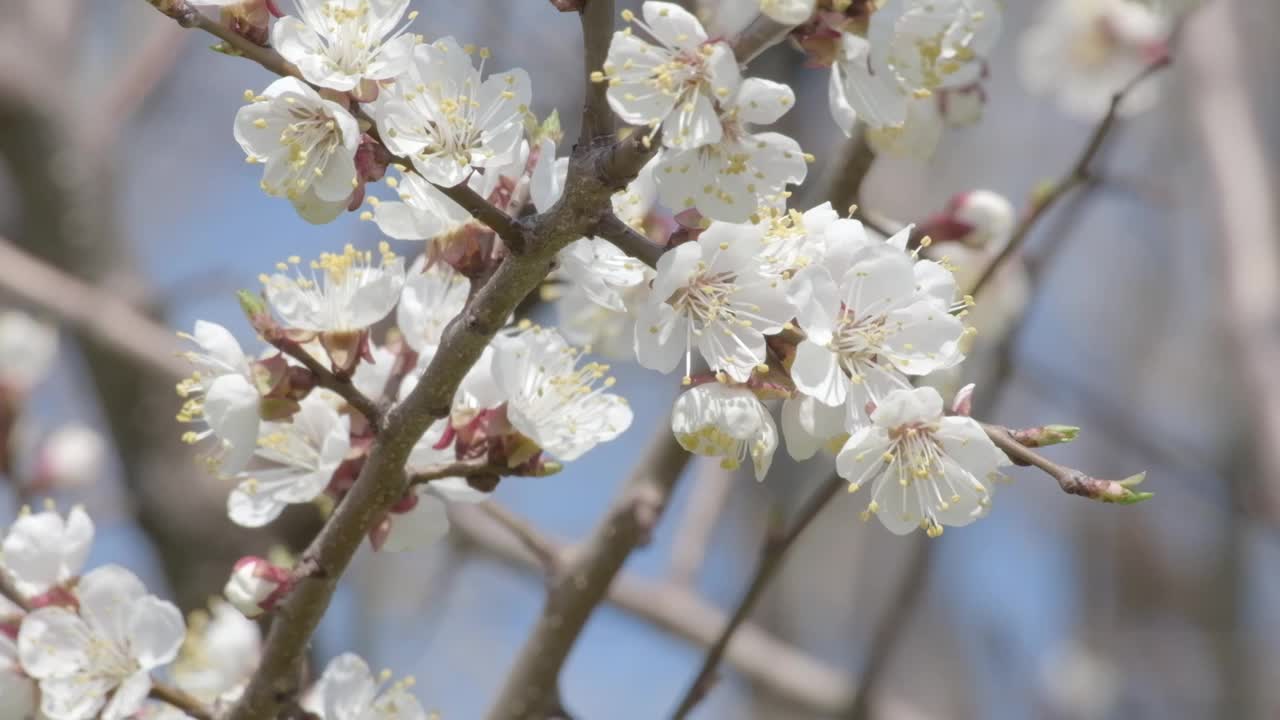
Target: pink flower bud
{"x": 256, "y": 586}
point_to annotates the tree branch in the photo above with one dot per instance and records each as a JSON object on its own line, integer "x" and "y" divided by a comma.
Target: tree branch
{"x": 597, "y": 32}
{"x": 458, "y": 469}
{"x": 188, "y": 16}
{"x": 180, "y": 700}
{"x": 766, "y": 661}
{"x": 693, "y": 535}
{"x": 584, "y": 581}
{"x": 1072, "y": 481}
{"x": 98, "y": 314}
{"x": 773, "y": 552}
{"x": 549, "y": 555}
{"x": 10, "y": 592}
{"x": 626, "y": 239}
{"x": 330, "y": 380}
{"x": 1078, "y": 174}
{"x": 763, "y": 33}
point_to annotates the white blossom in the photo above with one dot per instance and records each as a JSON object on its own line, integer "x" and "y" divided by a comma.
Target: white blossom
{"x": 421, "y": 213}
{"x": 561, "y": 406}
{"x": 925, "y": 470}
{"x": 912, "y": 48}
{"x": 17, "y": 688}
{"x": 97, "y": 661}
{"x": 340, "y": 43}
{"x": 42, "y": 550}
{"x": 306, "y": 451}
{"x": 371, "y": 378}
{"x": 221, "y": 651}
{"x": 28, "y": 348}
{"x": 445, "y": 120}
{"x": 348, "y": 691}
{"x": 673, "y": 84}
{"x": 255, "y": 585}
{"x": 712, "y": 294}
{"x": 1082, "y": 52}
{"x": 733, "y": 176}
{"x": 432, "y": 296}
{"x": 718, "y": 420}
{"x": 220, "y": 394}
{"x": 306, "y": 145}
{"x": 350, "y": 293}
{"x": 874, "y": 317}
{"x": 809, "y": 425}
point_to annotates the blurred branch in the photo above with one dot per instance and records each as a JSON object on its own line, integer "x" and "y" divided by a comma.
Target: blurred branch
{"x": 693, "y": 535}
{"x": 548, "y": 554}
{"x": 773, "y": 552}
{"x": 1226, "y": 114}
{"x": 781, "y": 668}
{"x": 145, "y": 70}
{"x": 889, "y": 630}
{"x": 1077, "y": 176}
{"x": 10, "y": 592}
{"x": 584, "y": 580}
{"x": 763, "y": 33}
{"x": 94, "y": 312}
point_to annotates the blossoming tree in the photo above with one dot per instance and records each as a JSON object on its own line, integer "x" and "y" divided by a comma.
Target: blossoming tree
{"x": 663, "y": 234}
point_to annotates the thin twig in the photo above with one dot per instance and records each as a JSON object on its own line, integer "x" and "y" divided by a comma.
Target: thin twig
{"x": 626, "y": 239}
{"x": 890, "y": 628}
{"x": 1078, "y": 174}
{"x": 326, "y": 378}
{"x": 458, "y": 469}
{"x": 772, "y": 554}
{"x": 762, "y": 658}
{"x": 1072, "y": 481}
{"x": 763, "y": 33}
{"x": 10, "y": 592}
{"x": 546, "y": 551}
{"x": 180, "y": 700}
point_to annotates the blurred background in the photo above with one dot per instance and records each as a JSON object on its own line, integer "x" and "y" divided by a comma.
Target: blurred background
{"x": 1150, "y": 324}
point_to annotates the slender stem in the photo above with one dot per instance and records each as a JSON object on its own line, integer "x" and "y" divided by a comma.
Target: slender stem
{"x": 180, "y": 700}
{"x": 1078, "y": 175}
{"x": 340, "y": 384}
{"x": 891, "y": 626}
{"x": 626, "y": 239}
{"x": 458, "y": 469}
{"x": 771, "y": 556}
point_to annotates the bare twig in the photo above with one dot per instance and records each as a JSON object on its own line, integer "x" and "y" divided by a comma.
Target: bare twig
{"x": 180, "y": 700}
{"x": 766, "y": 661}
{"x": 889, "y": 630}
{"x": 101, "y": 315}
{"x": 458, "y": 469}
{"x": 326, "y": 378}
{"x": 772, "y": 554}
{"x": 629, "y": 241}
{"x": 188, "y": 16}
{"x": 10, "y": 592}
{"x": 584, "y": 581}
{"x": 1078, "y": 174}
{"x": 1072, "y": 481}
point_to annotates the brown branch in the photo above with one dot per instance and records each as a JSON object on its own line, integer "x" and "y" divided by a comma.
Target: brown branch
{"x": 1072, "y": 481}
{"x": 180, "y": 700}
{"x": 458, "y": 469}
{"x": 763, "y": 33}
{"x": 326, "y": 378}
{"x": 583, "y": 582}
{"x": 597, "y": 33}
{"x": 188, "y": 16}
{"x": 773, "y": 552}
{"x": 626, "y": 239}
{"x": 889, "y": 630}
{"x": 101, "y": 315}
{"x": 1077, "y": 176}
{"x": 768, "y": 662}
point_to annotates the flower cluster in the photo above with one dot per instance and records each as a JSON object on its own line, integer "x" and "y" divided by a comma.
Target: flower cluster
{"x": 90, "y": 643}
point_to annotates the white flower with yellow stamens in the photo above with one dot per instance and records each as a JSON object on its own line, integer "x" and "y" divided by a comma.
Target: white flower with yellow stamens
{"x": 925, "y": 470}
{"x": 560, "y": 405}
{"x": 734, "y": 176}
{"x": 674, "y": 84}
{"x": 306, "y": 144}
{"x": 718, "y": 420}
{"x": 306, "y": 451}
{"x": 339, "y": 44}
{"x": 442, "y": 117}
{"x": 220, "y": 394}
{"x": 712, "y": 294}
{"x": 344, "y": 291}
{"x": 348, "y": 691}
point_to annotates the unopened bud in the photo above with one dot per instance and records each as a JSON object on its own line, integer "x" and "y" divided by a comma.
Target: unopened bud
{"x": 255, "y": 309}
{"x": 1046, "y": 435}
{"x": 962, "y": 404}
{"x": 256, "y": 586}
